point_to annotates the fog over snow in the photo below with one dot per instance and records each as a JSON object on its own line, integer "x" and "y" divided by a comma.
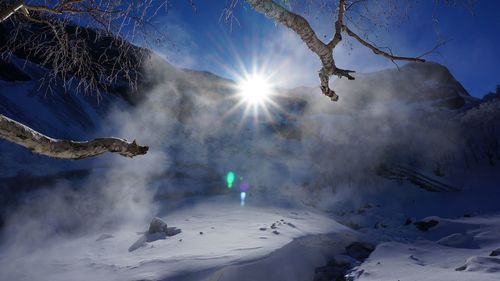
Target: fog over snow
{"x": 398, "y": 180}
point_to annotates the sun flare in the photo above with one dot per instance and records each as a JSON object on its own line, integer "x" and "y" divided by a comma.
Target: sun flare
{"x": 256, "y": 92}
{"x": 255, "y": 89}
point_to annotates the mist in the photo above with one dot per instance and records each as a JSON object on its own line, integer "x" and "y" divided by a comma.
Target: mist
{"x": 306, "y": 152}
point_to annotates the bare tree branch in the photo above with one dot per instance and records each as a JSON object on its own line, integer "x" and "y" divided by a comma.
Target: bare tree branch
{"x": 339, "y": 23}
{"x": 20, "y": 134}
{"x": 81, "y": 44}
{"x": 9, "y": 10}
{"x": 324, "y": 51}
{"x": 82, "y": 39}
{"x": 377, "y": 51}
{"x": 300, "y": 26}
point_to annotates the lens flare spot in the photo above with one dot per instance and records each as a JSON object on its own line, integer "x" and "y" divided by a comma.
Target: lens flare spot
{"x": 244, "y": 186}
{"x": 230, "y": 179}
{"x": 243, "y": 196}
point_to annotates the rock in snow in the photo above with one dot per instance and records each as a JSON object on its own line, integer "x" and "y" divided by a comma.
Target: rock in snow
{"x": 157, "y": 225}
{"x": 495, "y": 253}
{"x": 158, "y": 229}
{"x": 481, "y": 264}
{"x": 426, "y": 224}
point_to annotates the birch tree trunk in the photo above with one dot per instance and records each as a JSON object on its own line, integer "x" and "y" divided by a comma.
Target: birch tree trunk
{"x": 39, "y": 143}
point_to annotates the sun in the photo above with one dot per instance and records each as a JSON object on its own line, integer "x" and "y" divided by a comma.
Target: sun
{"x": 255, "y": 89}
{"x": 256, "y": 92}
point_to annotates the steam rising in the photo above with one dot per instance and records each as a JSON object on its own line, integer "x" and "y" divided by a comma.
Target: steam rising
{"x": 313, "y": 152}
{"x": 311, "y": 147}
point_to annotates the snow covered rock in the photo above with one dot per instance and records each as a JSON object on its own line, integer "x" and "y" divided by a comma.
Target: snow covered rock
{"x": 157, "y": 225}
{"x": 158, "y": 230}
{"x": 481, "y": 264}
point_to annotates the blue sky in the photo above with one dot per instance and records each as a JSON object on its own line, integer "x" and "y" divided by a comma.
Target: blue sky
{"x": 201, "y": 40}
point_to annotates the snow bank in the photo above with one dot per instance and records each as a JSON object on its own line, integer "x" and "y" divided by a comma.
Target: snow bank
{"x": 216, "y": 237}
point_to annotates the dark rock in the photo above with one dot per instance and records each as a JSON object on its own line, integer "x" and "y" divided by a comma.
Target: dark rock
{"x": 273, "y": 226}
{"x": 291, "y": 224}
{"x": 157, "y": 225}
{"x": 408, "y": 221}
{"x": 495, "y": 253}
{"x": 262, "y": 228}
{"x": 276, "y": 232}
{"x": 201, "y": 232}
{"x": 359, "y": 250}
{"x": 426, "y": 225}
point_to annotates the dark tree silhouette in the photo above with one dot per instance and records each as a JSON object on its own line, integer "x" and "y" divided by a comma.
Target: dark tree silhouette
{"x": 80, "y": 43}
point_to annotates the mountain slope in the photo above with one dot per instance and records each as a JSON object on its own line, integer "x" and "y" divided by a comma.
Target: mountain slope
{"x": 312, "y": 151}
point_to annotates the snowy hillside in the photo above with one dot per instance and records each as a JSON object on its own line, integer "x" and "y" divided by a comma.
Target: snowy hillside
{"x": 318, "y": 176}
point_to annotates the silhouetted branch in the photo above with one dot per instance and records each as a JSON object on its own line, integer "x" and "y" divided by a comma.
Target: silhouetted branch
{"x": 39, "y": 143}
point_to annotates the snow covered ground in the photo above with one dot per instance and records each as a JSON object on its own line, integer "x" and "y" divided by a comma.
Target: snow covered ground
{"x": 456, "y": 249}
{"x": 222, "y": 240}
{"x": 218, "y": 238}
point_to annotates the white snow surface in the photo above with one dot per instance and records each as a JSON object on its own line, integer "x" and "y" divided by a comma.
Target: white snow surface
{"x": 232, "y": 240}
{"x": 455, "y": 250}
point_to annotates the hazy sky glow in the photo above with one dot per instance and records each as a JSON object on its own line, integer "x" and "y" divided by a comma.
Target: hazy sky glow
{"x": 201, "y": 40}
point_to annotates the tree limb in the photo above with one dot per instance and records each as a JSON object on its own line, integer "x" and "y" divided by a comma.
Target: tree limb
{"x": 20, "y": 134}
{"x": 377, "y": 51}
{"x": 339, "y": 23}
{"x": 300, "y": 26}
{"x": 8, "y": 11}
{"x": 324, "y": 51}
